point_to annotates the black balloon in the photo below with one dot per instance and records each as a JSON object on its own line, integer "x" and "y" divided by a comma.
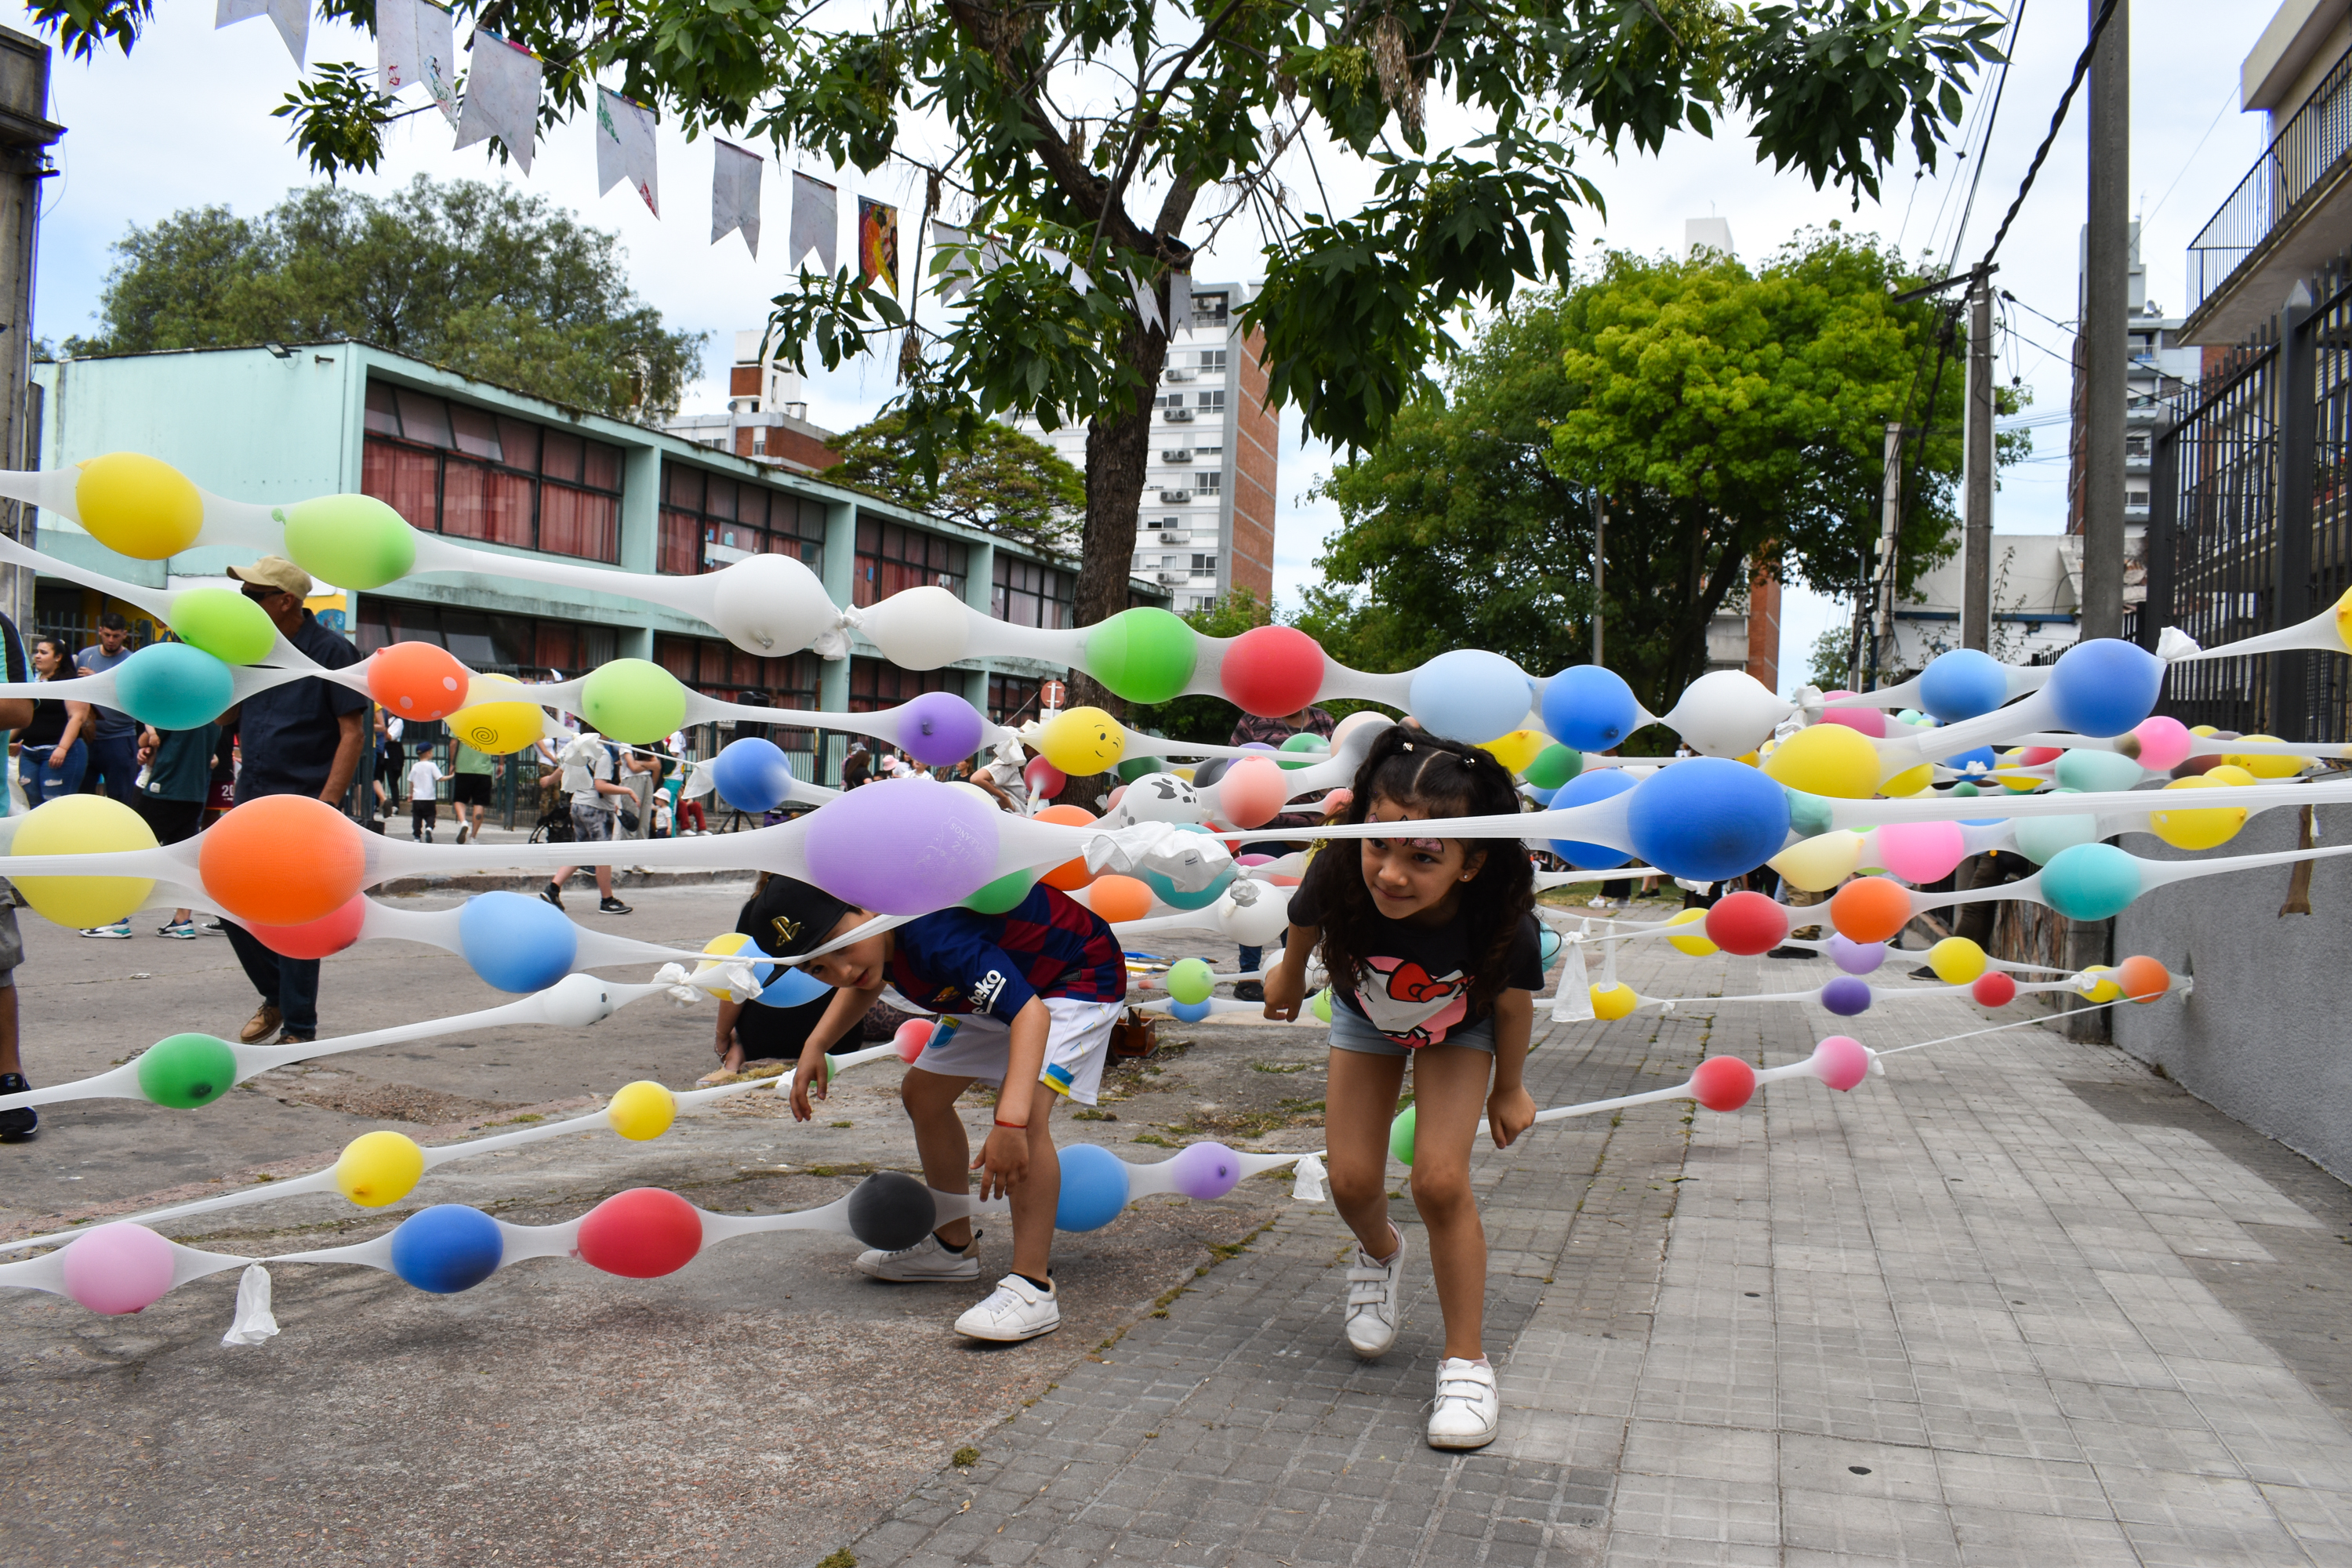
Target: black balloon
{"x": 891, "y": 1209}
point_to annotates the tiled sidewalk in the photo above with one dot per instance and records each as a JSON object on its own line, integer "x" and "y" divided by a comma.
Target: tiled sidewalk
{"x": 2014, "y": 1302}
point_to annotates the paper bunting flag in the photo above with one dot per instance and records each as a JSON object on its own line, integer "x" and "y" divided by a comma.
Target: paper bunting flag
{"x": 502, "y": 98}
{"x": 877, "y": 244}
{"x": 1069, "y": 269}
{"x": 417, "y": 42}
{"x": 954, "y": 268}
{"x": 1180, "y": 300}
{"x": 292, "y": 18}
{"x": 395, "y": 46}
{"x": 1146, "y": 302}
{"x": 735, "y": 194}
{"x": 816, "y": 221}
{"x": 624, "y": 147}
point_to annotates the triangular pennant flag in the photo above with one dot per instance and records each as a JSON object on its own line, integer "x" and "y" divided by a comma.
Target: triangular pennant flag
{"x": 395, "y": 46}
{"x": 1180, "y": 300}
{"x": 292, "y": 18}
{"x": 624, "y": 147}
{"x": 1146, "y": 302}
{"x": 436, "y": 56}
{"x": 1069, "y": 269}
{"x": 951, "y": 246}
{"x": 877, "y": 245}
{"x": 501, "y": 97}
{"x": 735, "y": 194}
{"x": 816, "y": 221}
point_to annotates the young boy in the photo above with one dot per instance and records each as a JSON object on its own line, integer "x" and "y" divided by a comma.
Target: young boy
{"x": 423, "y": 796}
{"x": 1028, "y": 998}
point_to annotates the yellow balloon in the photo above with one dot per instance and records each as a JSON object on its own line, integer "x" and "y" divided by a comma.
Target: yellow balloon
{"x": 1955, "y": 960}
{"x": 2197, "y": 829}
{"x": 642, "y": 1110}
{"x": 2267, "y": 764}
{"x": 1611, "y": 1002}
{"x": 83, "y": 824}
{"x": 724, "y": 944}
{"x": 1517, "y": 749}
{"x": 1821, "y": 862}
{"x": 138, "y": 505}
{"x": 2228, "y": 774}
{"x": 1828, "y": 760}
{"x": 1909, "y": 781}
{"x": 379, "y": 1168}
{"x": 1697, "y": 946}
{"x": 2104, "y": 989}
{"x": 1083, "y": 741}
{"x": 2344, "y": 620}
{"x": 500, "y": 729}
{"x": 2207, "y": 731}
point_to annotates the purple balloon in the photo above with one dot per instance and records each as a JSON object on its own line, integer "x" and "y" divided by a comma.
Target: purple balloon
{"x": 1846, "y": 995}
{"x": 938, "y": 728}
{"x": 1205, "y": 1170}
{"x": 1857, "y": 957}
{"x": 903, "y": 847}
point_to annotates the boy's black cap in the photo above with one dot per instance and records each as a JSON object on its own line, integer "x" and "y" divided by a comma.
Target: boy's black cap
{"x": 788, "y": 917}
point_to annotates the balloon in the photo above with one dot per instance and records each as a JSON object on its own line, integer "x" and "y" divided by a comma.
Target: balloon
{"x": 1600, "y": 783}
{"x": 2103, "y": 988}
{"x": 1133, "y": 768}
{"x": 2230, "y": 774}
{"x": 1189, "y": 981}
{"x": 1921, "y": 851}
{"x": 1272, "y": 671}
{"x": 1870, "y": 909}
{"x": 1190, "y": 1012}
{"x": 1846, "y": 995}
{"x": 1547, "y": 945}
{"x": 1723, "y": 1083}
{"x": 792, "y": 987}
{"x": 1745, "y": 923}
{"x": 1470, "y": 695}
{"x": 183, "y": 1071}
{"x": 1144, "y": 655}
{"x": 1363, "y": 719}
{"x": 447, "y": 1249}
{"x": 1857, "y": 957}
{"x": 919, "y": 628}
{"x": 1252, "y": 793}
{"x": 498, "y": 728}
{"x": 1993, "y": 989}
{"x": 138, "y": 505}
{"x": 1727, "y": 713}
{"x": 516, "y": 942}
{"x": 1169, "y": 894}
{"x": 417, "y": 680}
{"x": 2269, "y": 764}
{"x": 1554, "y": 767}
{"x": 753, "y": 775}
{"x": 1611, "y": 1002}
{"x": 642, "y": 1112}
{"x": 1909, "y": 781}
{"x": 282, "y": 859}
{"x": 632, "y": 701}
{"x": 1839, "y": 1061}
{"x": 2158, "y": 744}
{"x": 1590, "y": 707}
{"x": 1976, "y": 760}
{"x": 1963, "y": 683}
{"x": 1697, "y": 946}
{"x": 770, "y": 604}
{"x": 891, "y": 1209}
{"x": 1006, "y": 893}
{"x": 1818, "y": 864}
{"x": 2142, "y": 978}
{"x": 1082, "y": 741}
{"x": 1118, "y": 899}
{"x": 1320, "y": 1005}
{"x": 1957, "y": 961}
{"x": 1827, "y": 759}
{"x": 1209, "y": 772}
{"x": 1305, "y": 741}
{"x": 86, "y": 824}
{"x": 1203, "y": 1172}
{"x": 1258, "y": 924}
{"x": 2040, "y": 838}
{"x": 643, "y": 1232}
{"x": 903, "y": 847}
{"x": 2090, "y": 881}
{"x": 2197, "y": 829}
{"x": 1401, "y": 1134}
{"x": 224, "y": 623}
{"x": 1094, "y": 1182}
{"x": 939, "y": 729}
{"x": 2104, "y": 686}
{"x": 1519, "y": 750}
{"x": 912, "y": 1037}
{"x": 1809, "y": 815}
{"x": 323, "y": 938}
{"x": 351, "y": 541}
{"x": 378, "y": 1169}
{"x": 117, "y": 1268}
{"x": 1707, "y": 819}
{"x": 1044, "y": 781}
{"x": 1072, "y": 873}
{"x": 2098, "y": 771}
{"x": 1160, "y": 798}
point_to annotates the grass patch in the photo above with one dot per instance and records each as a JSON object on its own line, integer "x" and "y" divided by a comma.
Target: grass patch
{"x": 844, "y": 1124}
{"x": 965, "y": 1458}
{"x": 1279, "y": 1067}
{"x": 844, "y": 1558}
{"x": 1153, "y": 1139}
{"x": 1294, "y": 1113}
{"x": 1088, "y": 1113}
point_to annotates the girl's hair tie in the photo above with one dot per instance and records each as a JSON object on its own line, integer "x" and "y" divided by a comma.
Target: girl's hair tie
{"x": 1405, "y": 745}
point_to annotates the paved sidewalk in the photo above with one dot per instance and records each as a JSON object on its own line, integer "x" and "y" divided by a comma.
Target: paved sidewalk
{"x": 2017, "y": 1301}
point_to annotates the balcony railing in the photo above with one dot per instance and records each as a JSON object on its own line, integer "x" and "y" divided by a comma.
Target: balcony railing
{"x": 2296, "y": 161}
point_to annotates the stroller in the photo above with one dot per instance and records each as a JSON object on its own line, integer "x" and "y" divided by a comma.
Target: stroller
{"x": 554, "y": 825}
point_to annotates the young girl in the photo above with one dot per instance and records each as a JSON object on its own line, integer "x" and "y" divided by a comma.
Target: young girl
{"x": 1434, "y": 956}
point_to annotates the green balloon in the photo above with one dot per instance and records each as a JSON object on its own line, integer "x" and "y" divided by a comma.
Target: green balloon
{"x": 351, "y": 542}
{"x": 1305, "y": 741}
{"x": 1965, "y": 788}
{"x": 1133, "y": 768}
{"x": 1145, "y": 655}
{"x": 2042, "y": 840}
{"x": 1004, "y": 893}
{"x": 1322, "y": 1005}
{"x": 227, "y": 626}
{"x": 185, "y": 1071}
{"x": 1809, "y": 815}
{"x": 632, "y": 700}
{"x": 1401, "y": 1135}
{"x": 1189, "y": 981}
{"x": 1554, "y": 767}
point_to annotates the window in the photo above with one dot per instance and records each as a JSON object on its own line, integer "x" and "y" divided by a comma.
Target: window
{"x": 1213, "y": 360}
{"x": 721, "y": 669}
{"x": 1011, "y": 698}
{"x": 709, "y": 519}
{"x": 1204, "y": 565}
{"x": 1207, "y": 481}
{"x": 1210, "y": 400}
{"x": 523, "y": 646}
{"x": 1026, "y": 594}
{"x": 875, "y": 684}
{"x": 759, "y": 441}
{"x": 1209, "y": 310}
{"x": 454, "y": 468}
{"x": 892, "y": 558}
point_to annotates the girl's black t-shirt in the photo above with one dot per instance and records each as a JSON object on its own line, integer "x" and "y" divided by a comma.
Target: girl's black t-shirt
{"x": 1419, "y": 986}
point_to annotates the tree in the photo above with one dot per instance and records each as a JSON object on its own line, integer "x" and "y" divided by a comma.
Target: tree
{"x": 1101, "y": 141}
{"x": 483, "y": 280}
{"x": 1006, "y": 483}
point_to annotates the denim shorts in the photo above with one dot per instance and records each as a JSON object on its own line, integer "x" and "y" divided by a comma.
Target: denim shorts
{"x": 1351, "y": 1031}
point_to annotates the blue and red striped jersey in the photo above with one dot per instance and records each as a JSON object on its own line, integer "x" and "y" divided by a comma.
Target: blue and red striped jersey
{"x": 959, "y": 961}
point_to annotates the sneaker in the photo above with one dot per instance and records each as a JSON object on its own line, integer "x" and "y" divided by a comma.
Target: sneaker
{"x": 1249, "y": 991}
{"x": 118, "y": 931}
{"x": 1469, "y": 1410}
{"x": 552, "y": 894}
{"x": 461, "y": 832}
{"x": 297, "y": 1037}
{"x": 178, "y": 931}
{"x": 428, "y": 836}
{"x": 1015, "y": 1311}
{"x": 211, "y": 928}
{"x": 22, "y": 1122}
{"x": 612, "y": 907}
{"x": 261, "y": 1026}
{"x": 1373, "y": 1290}
{"x": 930, "y": 1258}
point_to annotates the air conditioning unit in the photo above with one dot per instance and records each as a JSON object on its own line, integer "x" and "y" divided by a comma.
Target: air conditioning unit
{"x": 1175, "y": 538}
{"x": 1181, "y": 372}
{"x": 1175, "y": 576}
{"x": 1180, "y": 416}
{"x": 1179, "y": 455}
{"x": 1175, "y": 497}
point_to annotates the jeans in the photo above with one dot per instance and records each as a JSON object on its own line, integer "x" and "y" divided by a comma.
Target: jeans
{"x": 47, "y": 778}
{"x": 288, "y": 985}
{"x": 113, "y": 766}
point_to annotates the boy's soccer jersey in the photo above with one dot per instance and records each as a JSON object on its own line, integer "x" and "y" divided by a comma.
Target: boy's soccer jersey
{"x": 959, "y": 960}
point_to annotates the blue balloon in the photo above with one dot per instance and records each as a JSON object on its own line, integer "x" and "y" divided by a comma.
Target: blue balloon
{"x": 753, "y": 775}
{"x": 1190, "y": 1012}
{"x": 1539, "y": 795}
{"x": 1846, "y": 995}
{"x": 1981, "y": 759}
{"x": 1174, "y": 897}
{"x": 174, "y": 686}
{"x": 791, "y": 987}
{"x": 2103, "y": 687}
{"x": 1471, "y": 695}
{"x": 1707, "y": 819}
{"x": 2093, "y": 881}
{"x": 447, "y": 1249}
{"x": 1593, "y": 783}
{"x": 1093, "y": 1187}
{"x": 1963, "y": 683}
{"x": 1590, "y": 707}
{"x": 1547, "y": 946}
{"x": 516, "y": 942}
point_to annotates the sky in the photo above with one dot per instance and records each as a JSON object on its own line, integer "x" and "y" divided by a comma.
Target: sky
{"x": 183, "y": 123}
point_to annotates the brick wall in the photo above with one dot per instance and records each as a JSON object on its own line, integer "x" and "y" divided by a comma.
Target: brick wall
{"x": 788, "y": 446}
{"x": 1257, "y": 437}
{"x": 1764, "y": 627}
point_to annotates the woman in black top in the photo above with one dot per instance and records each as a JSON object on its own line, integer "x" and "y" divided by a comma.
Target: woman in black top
{"x": 52, "y": 752}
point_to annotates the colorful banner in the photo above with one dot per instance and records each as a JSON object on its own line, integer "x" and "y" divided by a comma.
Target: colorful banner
{"x": 877, "y": 244}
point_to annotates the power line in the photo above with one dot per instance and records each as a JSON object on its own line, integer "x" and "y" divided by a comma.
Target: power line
{"x": 2227, "y": 99}
{"x": 1960, "y": 231}
{"x": 2057, "y": 119}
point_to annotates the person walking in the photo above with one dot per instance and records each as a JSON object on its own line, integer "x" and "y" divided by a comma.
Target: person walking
{"x": 114, "y": 734}
{"x": 591, "y": 781}
{"x": 424, "y": 776}
{"x": 174, "y": 781}
{"x": 303, "y": 738}
{"x": 53, "y": 750}
{"x": 472, "y": 773}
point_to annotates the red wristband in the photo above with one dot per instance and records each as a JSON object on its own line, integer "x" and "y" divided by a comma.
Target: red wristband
{"x": 1011, "y": 1126}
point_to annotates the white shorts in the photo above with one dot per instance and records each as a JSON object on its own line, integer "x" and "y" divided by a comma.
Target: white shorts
{"x": 1077, "y": 1042}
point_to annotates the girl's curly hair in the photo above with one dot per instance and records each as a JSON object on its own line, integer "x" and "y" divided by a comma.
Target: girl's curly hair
{"x": 1410, "y": 767}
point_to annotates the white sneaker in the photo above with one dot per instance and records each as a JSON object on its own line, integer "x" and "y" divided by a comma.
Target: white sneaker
{"x": 1373, "y": 1290}
{"x": 118, "y": 931}
{"x": 1469, "y": 1411}
{"x": 1017, "y": 1310}
{"x": 926, "y": 1259}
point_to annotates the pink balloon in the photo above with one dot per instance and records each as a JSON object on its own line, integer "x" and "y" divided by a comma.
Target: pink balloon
{"x": 1839, "y": 1061}
{"x": 118, "y": 1268}
{"x": 2163, "y": 743}
{"x": 912, "y": 1037}
{"x": 1870, "y": 721}
{"x": 1111, "y": 804}
{"x": 1252, "y": 793}
{"x": 1339, "y": 800}
{"x": 1921, "y": 851}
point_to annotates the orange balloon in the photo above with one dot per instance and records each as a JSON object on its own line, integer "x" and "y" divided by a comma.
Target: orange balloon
{"x": 1070, "y": 874}
{"x": 1118, "y": 899}
{"x": 1870, "y": 909}
{"x": 417, "y": 680}
{"x": 2143, "y": 978}
{"x": 282, "y": 861}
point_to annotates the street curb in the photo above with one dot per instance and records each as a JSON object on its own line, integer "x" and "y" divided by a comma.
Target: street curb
{"x": 531, "y": 881}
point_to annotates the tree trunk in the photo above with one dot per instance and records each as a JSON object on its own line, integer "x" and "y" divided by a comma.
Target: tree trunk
{"x": 1117, "y": 455}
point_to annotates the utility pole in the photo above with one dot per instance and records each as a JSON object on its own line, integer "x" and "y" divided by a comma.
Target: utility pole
{"x": 1976, "y": 596}
{"x": 26, "y": 135}
{"x": 1599, "y": 532}
{"x": 2106, "y": 304}
{"x": 1881, "y": 649}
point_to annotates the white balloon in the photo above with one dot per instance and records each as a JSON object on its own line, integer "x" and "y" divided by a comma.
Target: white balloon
{"x": 1158, "y": 797}
{"x": 921, "y": 629}
{"x": 770, "y": 605}
{"x": 577, "y": 1001}
{"x": 1727, "y": 713}
{"x": 1259, "y": 923}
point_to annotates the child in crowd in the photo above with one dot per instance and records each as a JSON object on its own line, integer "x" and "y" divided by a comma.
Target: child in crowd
{"x": 1435, "y": 957}
{"x": 1028, "y": 997}
{"x": 425, "y": 777}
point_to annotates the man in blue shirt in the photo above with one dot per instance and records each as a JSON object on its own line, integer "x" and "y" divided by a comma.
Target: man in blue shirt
{"x": 114, "y": 735}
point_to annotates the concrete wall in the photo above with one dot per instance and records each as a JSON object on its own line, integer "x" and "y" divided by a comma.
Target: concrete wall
{"x": 2263, "y": 1037}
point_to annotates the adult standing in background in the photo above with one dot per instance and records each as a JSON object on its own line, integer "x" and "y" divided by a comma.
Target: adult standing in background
{"x": 178, "y": 779}
{"x": 303, "y": 738}
{"x": 114, "y": 734}
{"x": 53, "y": 750}
{"x": 1254, "y": 730}
{"x": 15, "y": 713}
{"x": 470, "y": 791}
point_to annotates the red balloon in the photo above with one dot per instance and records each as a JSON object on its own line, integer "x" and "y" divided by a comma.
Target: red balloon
{"x": 1723, "y": 1083}
{"x": 1747, "y": 924}
{"x": 417, "y": 680}
{"x": 1045, "y": 780}
{"x": 1994, "y": 989}
{"x": 2034, "y": 756}
{"x": 912, "y": 1037}
{"x": 642, "y": 1234}
{"x": 1272, "y": 671}
{"x": 321, "y": 938}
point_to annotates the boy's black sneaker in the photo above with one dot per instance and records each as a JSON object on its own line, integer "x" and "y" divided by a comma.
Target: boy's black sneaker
{"x": 1249, "y": 991}
{"x": 552, "y": 894}
{"x": 18, "y": 1124}
{"x": 612, "y": 907}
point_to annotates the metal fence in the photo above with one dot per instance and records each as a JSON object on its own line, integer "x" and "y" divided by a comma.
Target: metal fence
{"x": 2301, "y": 157}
